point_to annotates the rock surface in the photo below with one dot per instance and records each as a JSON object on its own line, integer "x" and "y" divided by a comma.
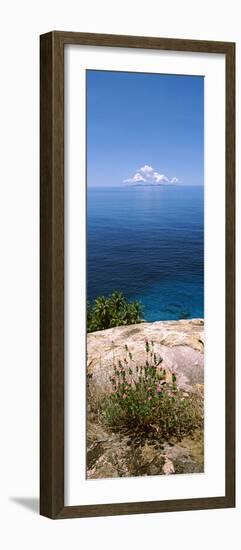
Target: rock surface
{"x": 128, "y": 454}
{"x": 180, "y": 345}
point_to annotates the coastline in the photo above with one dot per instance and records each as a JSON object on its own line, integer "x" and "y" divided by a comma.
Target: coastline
{"x": 179, "y": 346}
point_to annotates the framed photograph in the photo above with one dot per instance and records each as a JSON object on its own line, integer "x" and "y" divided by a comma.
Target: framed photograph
{"x": 137, "y": 407}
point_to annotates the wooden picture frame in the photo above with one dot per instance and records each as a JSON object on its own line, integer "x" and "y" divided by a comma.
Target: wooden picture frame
{"x": 52, "y": 274}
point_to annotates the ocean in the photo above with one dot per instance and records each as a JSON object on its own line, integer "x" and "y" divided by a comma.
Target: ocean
{"x": 148, "y": 242}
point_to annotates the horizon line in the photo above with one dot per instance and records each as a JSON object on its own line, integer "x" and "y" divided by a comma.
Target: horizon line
{"x": 146, "y": 185}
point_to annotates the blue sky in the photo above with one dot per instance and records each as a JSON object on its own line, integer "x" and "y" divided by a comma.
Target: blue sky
{"x": 144, "y": 128}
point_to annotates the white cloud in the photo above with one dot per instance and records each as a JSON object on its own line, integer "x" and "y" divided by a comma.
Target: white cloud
{"x": 146, "y": 169}
{"x": 159, "y": 177}
{"x": 147, "y": 174}
{"x": 136, "y": 177}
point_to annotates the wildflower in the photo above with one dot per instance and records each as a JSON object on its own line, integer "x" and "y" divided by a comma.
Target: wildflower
{"x": 124, "y": 396}
{"x": 149, "y": 398}
{"x": 149, "y": 389}
{"x": 159, "y": 389}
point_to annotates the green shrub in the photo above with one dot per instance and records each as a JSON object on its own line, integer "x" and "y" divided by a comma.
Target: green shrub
{"x": 142, "y": 398}
{"x": 112, "y": 311}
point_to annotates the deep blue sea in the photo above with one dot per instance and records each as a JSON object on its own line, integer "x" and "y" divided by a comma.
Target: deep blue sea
{"x": 148, "y": 242}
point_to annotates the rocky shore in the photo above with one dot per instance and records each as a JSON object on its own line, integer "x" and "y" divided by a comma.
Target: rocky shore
{"x": 180, "y": 346}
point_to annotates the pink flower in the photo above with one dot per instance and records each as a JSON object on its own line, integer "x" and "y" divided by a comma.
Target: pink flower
{"x": 124, "y": 396}
{"x": 159, "y": 389}
{"x": 149, "y": 398}
{"x": 149, "y": 389}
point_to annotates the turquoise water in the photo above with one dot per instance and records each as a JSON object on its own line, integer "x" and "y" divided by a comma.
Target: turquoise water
{"x": 148, "y": 242}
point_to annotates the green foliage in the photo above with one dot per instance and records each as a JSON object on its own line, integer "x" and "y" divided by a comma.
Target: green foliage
{"x": 112, "y": 311}
{"x": 142, "y": 397}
